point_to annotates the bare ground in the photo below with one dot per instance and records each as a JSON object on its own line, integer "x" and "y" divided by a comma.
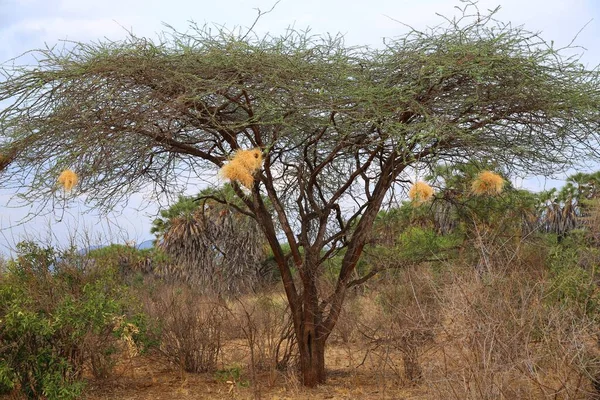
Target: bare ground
{"x": 144, "y": 378}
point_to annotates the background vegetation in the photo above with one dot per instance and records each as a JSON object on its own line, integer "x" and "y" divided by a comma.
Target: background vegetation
{"x": 475, "y": 304}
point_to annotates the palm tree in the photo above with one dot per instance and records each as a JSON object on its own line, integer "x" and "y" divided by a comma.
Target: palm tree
{"x": 210, "y": 244}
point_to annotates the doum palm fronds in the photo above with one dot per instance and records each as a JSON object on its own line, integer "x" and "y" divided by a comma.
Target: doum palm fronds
{"x": 214, "y": 248}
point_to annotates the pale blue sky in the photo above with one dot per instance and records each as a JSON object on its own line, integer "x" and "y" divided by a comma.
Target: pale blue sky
{"x": 30, "y": 24}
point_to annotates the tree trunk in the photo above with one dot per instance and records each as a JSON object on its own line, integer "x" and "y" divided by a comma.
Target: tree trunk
{"x": 312, "y": 359}
{"x": 310, "y": 335}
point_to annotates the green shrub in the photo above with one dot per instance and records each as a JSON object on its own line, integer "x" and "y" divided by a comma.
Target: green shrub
{"x": 58, "y": 312}
{"x": 232, "y": 375}
{"x": 573, "y": 283}
{"x": 418, "y": 244}
{"x": 7, "y": 378}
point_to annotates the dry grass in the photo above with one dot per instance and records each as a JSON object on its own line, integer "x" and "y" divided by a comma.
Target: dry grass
{"x": 147, "y": 380}
{"x": 502, "y": 340}
{"x": 456, "y": 333}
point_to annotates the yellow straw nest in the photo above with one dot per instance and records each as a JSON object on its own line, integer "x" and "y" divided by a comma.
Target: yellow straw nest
{"x": 68, "y": 179}
{"x": 420, "y": 193}
{"x": 242, "y": 166}
{"x": 487, "y": 183}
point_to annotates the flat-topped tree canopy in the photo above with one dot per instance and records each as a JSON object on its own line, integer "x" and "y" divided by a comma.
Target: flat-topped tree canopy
{"x": 125, "y": 114}
{"x": 337, "y": 125}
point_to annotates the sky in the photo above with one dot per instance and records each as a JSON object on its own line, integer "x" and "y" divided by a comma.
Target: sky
{"x": 33, "y": 24}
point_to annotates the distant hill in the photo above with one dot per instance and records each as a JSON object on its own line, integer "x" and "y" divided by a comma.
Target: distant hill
{"x": 148, "y": 244}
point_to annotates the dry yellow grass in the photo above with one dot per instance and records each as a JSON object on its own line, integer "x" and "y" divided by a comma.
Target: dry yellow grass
{"x": 487, "y": 183}
{"x": 446, "y": 320}
{"x": 242, "y": 167}
{"x": 68, "y": 179}
{"x": 420, "y": 192}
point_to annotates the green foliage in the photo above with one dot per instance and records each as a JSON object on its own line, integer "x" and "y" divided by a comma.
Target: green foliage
{"x": 391, "y": 222}
{"x": 7, "y": 378}
{"x": 581, "y": 186}
{"x": 456, "y": 206}
{"x": 232, "y": 375}
{"x": 131, "y": 263}
{"x": 56, "y": 314}
{"x": 184, "y": 207}
{"x": 471, "y": 86}
{"x": 573, "y": 283}
{"x": 188, "y": 207}
{"x": 418, "y": 244}
{"x": 457, "y": 213}
{"x": 109, "y": 255}
{"x": 562, "y": 211}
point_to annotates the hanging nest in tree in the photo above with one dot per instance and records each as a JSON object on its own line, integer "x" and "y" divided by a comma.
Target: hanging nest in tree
{"x": 420, "y": 193}
{"x": 68, "y": 179}
{"x": 242, "y": 167}
{"x": 487, "y": 183}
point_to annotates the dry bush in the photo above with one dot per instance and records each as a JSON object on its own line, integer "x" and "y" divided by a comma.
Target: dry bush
{"x": 266, "y": 325}
{"x": 346, "y": 329}
{"x": 403, "y": 324}
{"x": 103, "y": 348}
{"x": 191, "y": 327}
{"x": 494, "y": 249}
{"x": 498, "y": 332}
{"x": 503, "y": 339}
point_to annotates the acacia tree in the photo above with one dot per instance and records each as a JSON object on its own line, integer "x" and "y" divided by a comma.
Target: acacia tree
{"x": 341, "y": 128}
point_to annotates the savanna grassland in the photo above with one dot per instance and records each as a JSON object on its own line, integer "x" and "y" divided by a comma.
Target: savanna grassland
{"x": 355, "y": 235}
{"x": 471, "y": 305}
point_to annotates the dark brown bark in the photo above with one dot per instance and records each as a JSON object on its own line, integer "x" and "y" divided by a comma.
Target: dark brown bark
{"x": 310, "y": 335}
{"x": 359, "y": 238}
{"x": 312, "y": 327}
{"x": 312, "y": 358}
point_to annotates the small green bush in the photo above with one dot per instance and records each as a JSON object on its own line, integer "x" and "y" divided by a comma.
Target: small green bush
{"x": 7, "y": 378}
{"x": 419, "y": 244}
{"x": 232, "y": 375}
{"x": 58, "y": 313}
{"x": 573, "y": 283}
